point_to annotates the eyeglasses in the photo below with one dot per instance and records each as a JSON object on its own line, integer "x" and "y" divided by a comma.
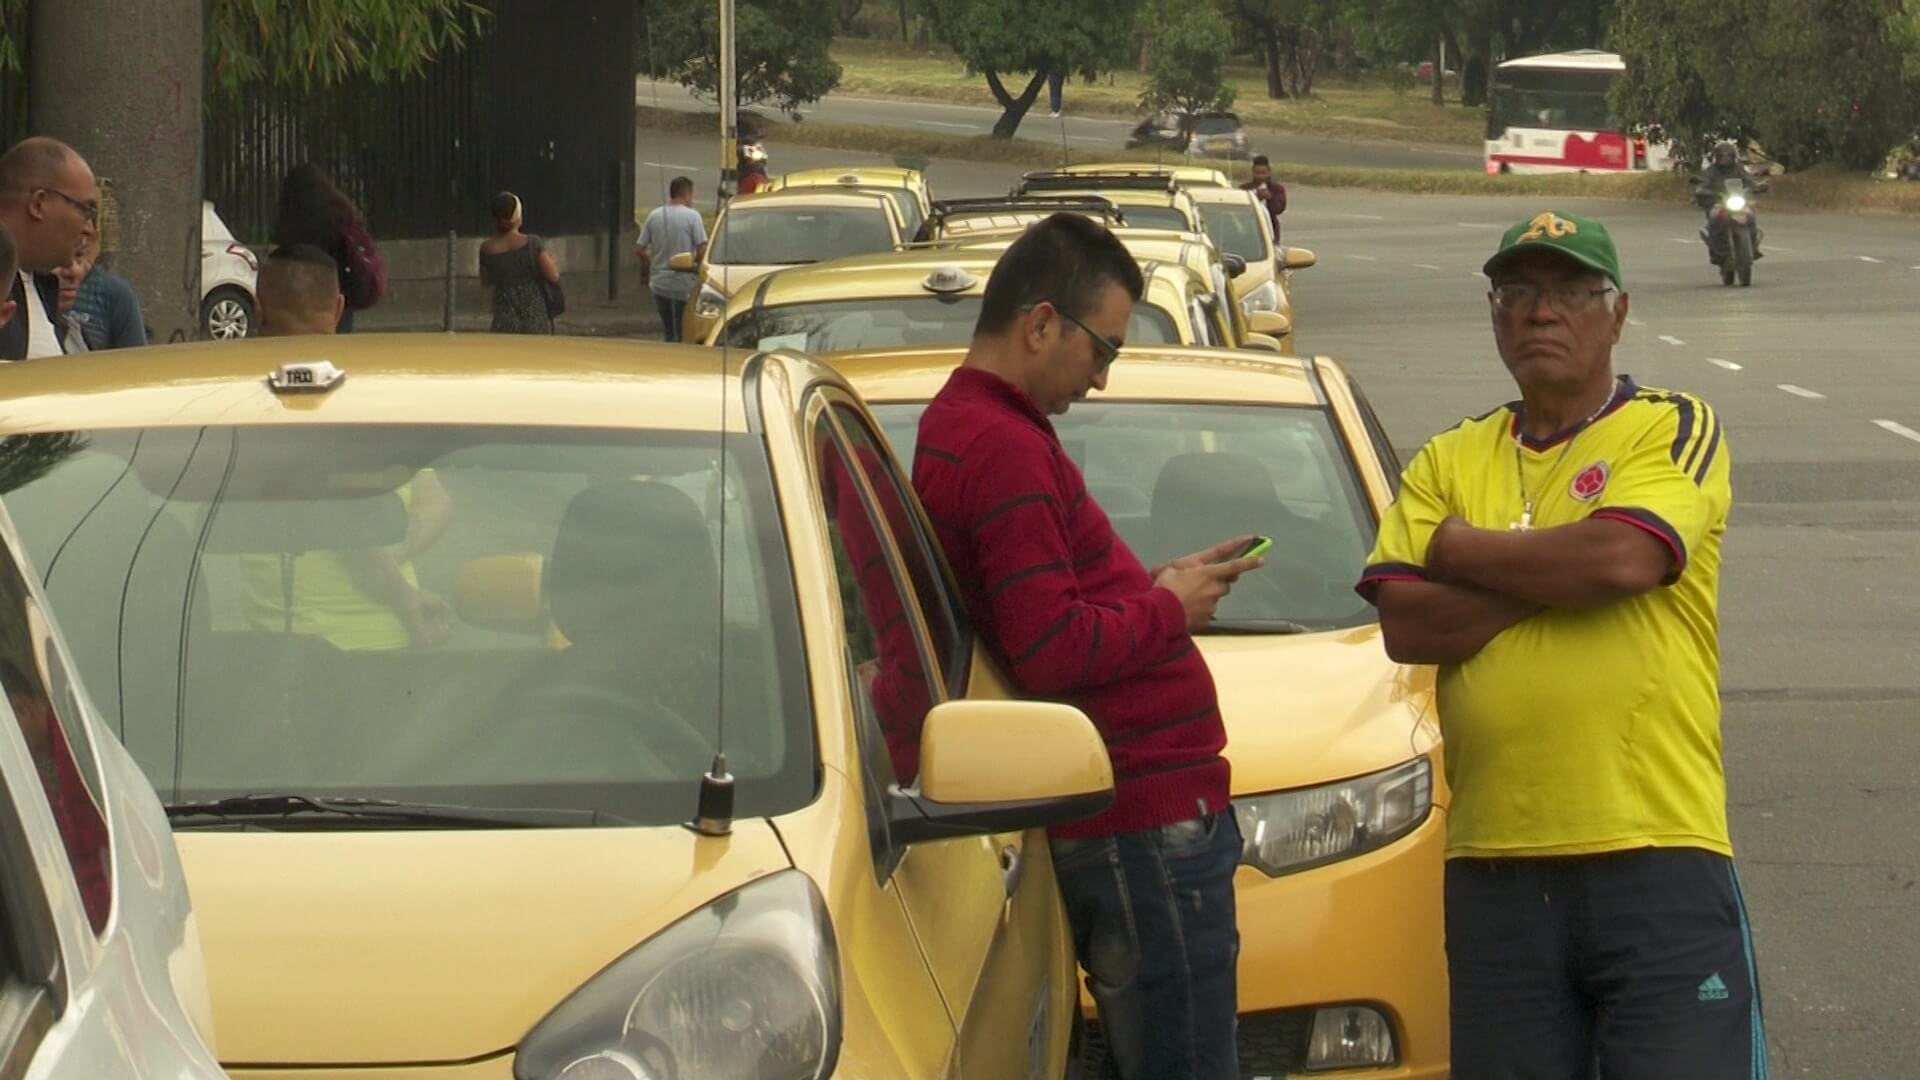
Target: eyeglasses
{"x": 1108, "y": 350}
{"x": 1519, "y": 296}
{"x": 90, "y": 210}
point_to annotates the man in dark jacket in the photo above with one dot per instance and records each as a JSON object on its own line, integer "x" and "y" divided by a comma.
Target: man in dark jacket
{"x": 1726, "y": 165}
{"x": 1271, "y": 193}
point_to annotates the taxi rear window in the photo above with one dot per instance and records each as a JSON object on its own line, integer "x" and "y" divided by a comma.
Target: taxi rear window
{"x": 789, "y": 235}
{"x": 901, "y": 322}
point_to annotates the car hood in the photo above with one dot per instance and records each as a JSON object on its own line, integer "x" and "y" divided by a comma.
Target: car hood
{"x": 1313, "y": 708}
{"x": 433, "y": 946}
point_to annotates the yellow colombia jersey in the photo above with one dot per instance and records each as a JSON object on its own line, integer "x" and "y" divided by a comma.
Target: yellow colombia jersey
{"x": 1583, "y": 730}
{"x": 326, "y": 600}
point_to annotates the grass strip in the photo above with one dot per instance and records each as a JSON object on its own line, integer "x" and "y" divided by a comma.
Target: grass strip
{"x": 1815, "y": 189}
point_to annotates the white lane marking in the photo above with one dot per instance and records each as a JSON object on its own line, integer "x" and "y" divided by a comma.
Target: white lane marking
{"x": 1091, "y": 139}
{"x": 1684, "y": 239}
{"x": 1868, "y": 259}
{"x": 1901, "y": 430}
{"x": 1367, "y": 258}
{"x": 1728, "y": 364}
{"x": 1362, "y": 217}
{"x": 1416, "y": 266}
{"x": 1631, "y": 321}
{"x": 671, "y": 165}
{"x": 944, "y": 124}
{"x": 1788, "y": 250}
{"x": 1671, "y": 340}
{"x": 1801, "y": 391}
{"x": 1475, "y": 225}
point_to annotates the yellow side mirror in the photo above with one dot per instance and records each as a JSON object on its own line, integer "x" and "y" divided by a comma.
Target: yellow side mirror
{"x": 683, "y": 262}
{"x": 1295, "y": 258}
{"x": 1013, "y": 753}
{"x": 1270, "y": 323}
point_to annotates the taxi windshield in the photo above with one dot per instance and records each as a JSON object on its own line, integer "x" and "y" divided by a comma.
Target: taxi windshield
{"x": 1156, "y": 217}
{"x": 1236, "y": 229}
{"x": 900, "y": 322}
{"x": 776, "y": 235}
{"x": 1178, "y": 478}
{"x": 482, "y": 617}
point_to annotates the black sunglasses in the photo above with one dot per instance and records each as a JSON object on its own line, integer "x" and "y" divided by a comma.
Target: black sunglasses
{"x": 1108, "y": 350}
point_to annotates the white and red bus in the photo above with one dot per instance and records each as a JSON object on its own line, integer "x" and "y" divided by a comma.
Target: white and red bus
{"x": 1550, "y": 114}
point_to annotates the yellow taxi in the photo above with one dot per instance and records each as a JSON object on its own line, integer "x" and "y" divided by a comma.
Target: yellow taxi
{"x": 588, "y": 712}
{"x": 1189, "y": 176}
{"x": 1149, "y": 199}
{"x": 1335, "y": 748}
{"x": 954, "y": 221}
{"x": 932, "y": 297}
{"x": 765, "y": 231}
{"x": 908, "y": 188}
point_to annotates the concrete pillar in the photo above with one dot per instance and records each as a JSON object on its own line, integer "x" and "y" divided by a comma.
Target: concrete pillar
{"x": 123, "y": 83}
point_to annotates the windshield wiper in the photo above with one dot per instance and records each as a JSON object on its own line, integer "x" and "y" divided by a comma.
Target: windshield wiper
{"x": 1257, "y": 626}
{"x": 303, "y": 810}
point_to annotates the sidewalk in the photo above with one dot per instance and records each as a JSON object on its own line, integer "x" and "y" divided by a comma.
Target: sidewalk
{"x": 419, "y": 306}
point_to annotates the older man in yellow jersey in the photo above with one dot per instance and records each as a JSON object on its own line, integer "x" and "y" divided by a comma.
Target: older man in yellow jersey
{"x": 1559, "y": 559}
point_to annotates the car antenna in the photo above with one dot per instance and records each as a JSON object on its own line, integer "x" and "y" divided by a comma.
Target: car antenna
{"x": 713, "y": 816}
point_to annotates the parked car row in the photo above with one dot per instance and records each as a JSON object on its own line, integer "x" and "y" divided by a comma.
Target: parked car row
{"x": 635, "y": 813}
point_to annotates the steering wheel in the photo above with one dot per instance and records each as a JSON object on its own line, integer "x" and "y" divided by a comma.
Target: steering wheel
{"x": 601, "y": 728}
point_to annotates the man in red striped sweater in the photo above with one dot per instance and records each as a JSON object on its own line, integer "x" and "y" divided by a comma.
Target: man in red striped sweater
{"x": 1074, "y": 616}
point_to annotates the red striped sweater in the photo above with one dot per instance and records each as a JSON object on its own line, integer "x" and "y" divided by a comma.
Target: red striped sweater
{"x": 1066, "y": 606}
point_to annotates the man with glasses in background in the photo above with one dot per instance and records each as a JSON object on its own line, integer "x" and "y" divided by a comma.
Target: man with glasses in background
{"x": 1073, "y": 616}
{"x": 49, "y": 202}
{"x": 1559, "y": 558}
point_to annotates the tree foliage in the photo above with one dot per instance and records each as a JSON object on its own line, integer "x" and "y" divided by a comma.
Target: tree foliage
{"x": 1185, "y": 70}
{"x": 316, "y": 44}
{"x": 780, "y": 48}
{"x": 1031, "y": 38}
{"x": 1830, "y": 81}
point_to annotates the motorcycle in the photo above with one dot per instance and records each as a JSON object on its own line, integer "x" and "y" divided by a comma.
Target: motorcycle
{"x": 752, "y": 166}
{"x": 1732, "y": 233}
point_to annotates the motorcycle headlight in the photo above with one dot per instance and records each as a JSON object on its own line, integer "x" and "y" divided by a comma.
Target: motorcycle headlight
{"x": 710, "y": 303}
{"x": 1736, "y": 203}
{"x": 1264, "y": 298}
{"x": 1291, "y": 831}
{"x": 747, "y": 987}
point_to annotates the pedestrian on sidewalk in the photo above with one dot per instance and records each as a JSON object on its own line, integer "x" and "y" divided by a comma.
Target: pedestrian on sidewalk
{"x": 1056, "y": 86}
{"x": 1074, "y": 617}
{"x": 1559, "y": 559}
{"x": 106, "y": 307}
{"x": 51, "y": 206}
{"x": 1271, "y": 193}
{"x": 513, "y": 264}
{"x": 673, "y": 229}
{"x": 314, "y": 211}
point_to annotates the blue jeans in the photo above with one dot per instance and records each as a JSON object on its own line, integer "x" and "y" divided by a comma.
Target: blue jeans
{"x": 673, "y": 317}
{"x": 1153, "y": 925}
{"x": 1056, "y": 83}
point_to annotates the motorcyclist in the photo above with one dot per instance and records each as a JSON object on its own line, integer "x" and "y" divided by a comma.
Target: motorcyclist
{"x": 753, "y": 168}
{"x": 1725, "y": 165}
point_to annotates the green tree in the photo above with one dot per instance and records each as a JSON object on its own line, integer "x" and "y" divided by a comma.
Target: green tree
{"x": 310, "y": 43}
{"x": 1185, "y": 68}
{"x": 1029, "y": 38}
{"x": 1810, "y": 82}
{"x": 780, "y": 48}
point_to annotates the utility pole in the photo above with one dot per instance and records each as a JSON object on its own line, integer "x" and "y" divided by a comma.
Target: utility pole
{"x": 123, "y": 84}
{"x": 729, "y": 108}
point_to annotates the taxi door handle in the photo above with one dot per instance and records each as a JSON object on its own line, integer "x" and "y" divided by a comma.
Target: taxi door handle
{"x": 1010, "y": 868}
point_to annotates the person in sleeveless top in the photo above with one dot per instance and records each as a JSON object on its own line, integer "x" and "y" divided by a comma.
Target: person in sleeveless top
{"x": 513, "y": 264}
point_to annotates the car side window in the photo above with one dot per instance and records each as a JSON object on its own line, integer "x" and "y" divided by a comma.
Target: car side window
{"x": 939, "y": 604}
{"x": 892, "y": 686}
{"x": 41, "y": 699}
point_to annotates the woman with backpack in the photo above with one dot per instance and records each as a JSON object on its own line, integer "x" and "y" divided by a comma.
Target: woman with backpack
{"x": 314, "y": 211}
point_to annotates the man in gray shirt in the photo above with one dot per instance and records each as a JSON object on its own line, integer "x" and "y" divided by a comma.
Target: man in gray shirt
{"x": 669, "y": 231}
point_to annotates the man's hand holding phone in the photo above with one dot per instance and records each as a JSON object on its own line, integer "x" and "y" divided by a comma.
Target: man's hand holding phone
{"x": 1203, "y": 579}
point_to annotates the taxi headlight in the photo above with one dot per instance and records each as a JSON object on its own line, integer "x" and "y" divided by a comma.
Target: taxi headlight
{"x": 1264, "y": 298}
{"x": 710, "y": 303}
{"x": 747, "y": 987}
{"x": 1291, "y": 831}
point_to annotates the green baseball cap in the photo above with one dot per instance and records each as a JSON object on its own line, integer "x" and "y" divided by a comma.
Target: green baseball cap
{"x": 1583, "y": 240}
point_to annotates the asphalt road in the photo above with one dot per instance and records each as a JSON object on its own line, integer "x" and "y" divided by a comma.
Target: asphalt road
{"x": 1813, "y": 373}
{"x": 1093, "y": 131}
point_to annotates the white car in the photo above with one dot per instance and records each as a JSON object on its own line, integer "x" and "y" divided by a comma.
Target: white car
{"x": 228, "y": 273}
{"x": 100, "y": 964}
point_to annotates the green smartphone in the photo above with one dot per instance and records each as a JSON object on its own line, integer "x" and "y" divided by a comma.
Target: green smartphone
{"x": 1257, "y": 546}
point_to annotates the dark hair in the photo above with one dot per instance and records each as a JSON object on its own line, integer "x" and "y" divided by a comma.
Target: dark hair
{"x": 302, "y": 255}
{"x": 1066, "y": 259}
{"x": 503, "y": 206}
{"x": 9, "y": 257}
{"x": 1261, "y": 159}
{"x": 312, "y": 210}
{"x": 681, "y": 185}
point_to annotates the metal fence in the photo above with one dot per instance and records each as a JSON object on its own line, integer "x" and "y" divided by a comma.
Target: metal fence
{"x": 542, "y": 105}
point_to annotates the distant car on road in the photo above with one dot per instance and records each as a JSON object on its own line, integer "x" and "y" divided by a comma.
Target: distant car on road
{"x": 1212, "y": 134}
{"x": 229, "y": 272}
